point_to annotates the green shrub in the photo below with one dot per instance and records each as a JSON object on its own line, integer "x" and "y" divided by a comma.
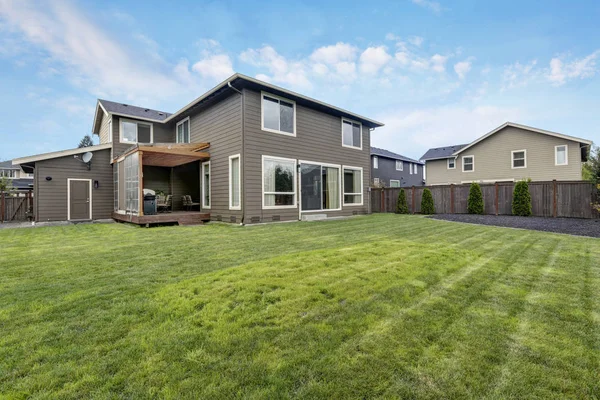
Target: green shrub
{"x": 521, "y": 204}
{"x": 402, "y": 205}
{"x": 427, "y": 206}
{"x": 475, "y": 201}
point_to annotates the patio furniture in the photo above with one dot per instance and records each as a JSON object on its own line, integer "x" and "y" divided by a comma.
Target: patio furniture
{"x": 164, "y": 203}
{"x": 188, "y": 204}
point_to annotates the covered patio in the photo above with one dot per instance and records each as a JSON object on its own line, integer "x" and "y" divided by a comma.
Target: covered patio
{"x": 170, "y": 170}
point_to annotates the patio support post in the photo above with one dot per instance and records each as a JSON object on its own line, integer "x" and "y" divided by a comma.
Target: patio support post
{"x": 140, "y": 184}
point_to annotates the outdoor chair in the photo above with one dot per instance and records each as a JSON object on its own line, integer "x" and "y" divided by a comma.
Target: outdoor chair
{"x": 163, "y": 203}
{"x": 188, "y": 203}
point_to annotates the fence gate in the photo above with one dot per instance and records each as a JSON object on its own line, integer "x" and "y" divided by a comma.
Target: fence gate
{"x": 16, "y": 206}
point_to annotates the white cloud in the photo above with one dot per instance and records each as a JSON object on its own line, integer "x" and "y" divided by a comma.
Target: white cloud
{"x": 281, "y": 71}
{"x": 431, "y": 5}
{"x": 373, "y": 58}
{"x": 416, "y": 40}
{"x": 560, "y": 71}
{"x": 517, "y": 74}
{"x": 217, "y": 66}
{"x": 340, "y": 52}
{"x": 438, "y": 63}
{"x": 462, "y": 68}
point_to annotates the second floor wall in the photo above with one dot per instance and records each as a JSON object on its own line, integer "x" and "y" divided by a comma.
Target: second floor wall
{"x": 388, "y": 173}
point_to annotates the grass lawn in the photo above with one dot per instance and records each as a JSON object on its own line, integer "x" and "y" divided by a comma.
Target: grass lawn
{"x": 377, "y": 306}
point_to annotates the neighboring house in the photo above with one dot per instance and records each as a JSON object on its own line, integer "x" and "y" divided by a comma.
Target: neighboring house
{"x": 19, "y": 179}
{"x": 509, "y": 153}
{"x": 247, "y": 151}
{"x": 394, "y": 170}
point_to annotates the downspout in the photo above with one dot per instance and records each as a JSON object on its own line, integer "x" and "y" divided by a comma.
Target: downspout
{"x": 243, "y": 156}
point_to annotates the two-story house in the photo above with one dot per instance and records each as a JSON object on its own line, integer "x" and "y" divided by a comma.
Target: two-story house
{"x": 390, "y": 169}
{"x": 509, "y": 153}
{"x": 247, "y": 151}
{"x": 18, "y": 178}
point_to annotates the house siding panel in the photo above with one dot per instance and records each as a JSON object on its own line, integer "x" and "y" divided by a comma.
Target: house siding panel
{"x": 104, "y": 132}
{"x": 493, "y": 159}
{"x": 51, "y": 195}
{"x": 387, "y": 171}
{"x": 318, "y": 138}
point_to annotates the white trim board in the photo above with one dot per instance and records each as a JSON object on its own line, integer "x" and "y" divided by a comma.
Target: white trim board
{"x": 63, "y": 153}
{"x": 209, "y": 185}
{"x": 69, "y": 197}
{"x": 239, "y": 157}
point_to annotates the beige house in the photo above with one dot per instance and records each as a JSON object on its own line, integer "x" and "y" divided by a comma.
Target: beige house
{"x": 509, "y": 153}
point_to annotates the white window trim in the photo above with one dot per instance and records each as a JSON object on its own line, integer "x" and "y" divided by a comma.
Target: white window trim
{"x": 360, "y": 136}
{"x": 376, "y": 181}
{"x": 566, "y": 146}
{"x": 512, "y": 158}
{"x": 394, "y": 180}
{"x": 375, "y": 162}
{"x": 262, "y": 175}
{"x": 448, "y": 163}
{"x": 207, "y": 207}
{"x": 463, "y": 163}
{"x": 262, "y": 114}
{"x": 69, "y": 196}
{"x": 189, "y": 130}
{"x": 121, "y": 120}
{"x": 339, "y": 167}
{"x": 362, "y": 189}
{"x": 231, "y": 207}
{"x": 401, "y": 165}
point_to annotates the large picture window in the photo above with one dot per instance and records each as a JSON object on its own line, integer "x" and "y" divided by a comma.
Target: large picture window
{"x": 183, "y": 131}
{"x": 279, "y": 182}
{"x": 278, "y": 115}
{"x": 136, "y": 132}
{"x": 235, "y": 183}
{"x": 320, "y": 186}
{"x": 351, "y": 134}
{"x": 353, "y": 186}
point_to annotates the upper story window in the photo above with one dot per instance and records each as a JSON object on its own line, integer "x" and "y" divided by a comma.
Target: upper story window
{"x": 183, "y": 131}
{"x": 375, "y": 162}
{"x": 351, "y": 134}
{"x": 136, "y": 132}
{"x": 8, "y": 173}
{"x": 452, "y": 163}
{"x": 278, "y": 115}
{"x": 561, "y": 155}
{"x": 399, "y": 165}
{"x": 468, "y": 163}
{"x": 519, "y": 158}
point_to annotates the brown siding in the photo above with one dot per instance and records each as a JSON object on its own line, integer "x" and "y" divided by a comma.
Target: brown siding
{"x": 185, "y": 180}
{"x": 157, "y": 179}
{"x": 51, "y": 196}
{"x": 318, "y": 138}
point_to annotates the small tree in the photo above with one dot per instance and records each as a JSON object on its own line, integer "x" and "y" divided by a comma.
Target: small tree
{"x": 87, "y": 141}
{"x": 427, "y": 206}
{"x": 5, "y": 184}
{"x": 402, "y": 205}
{"x": 521, "y": 204}
{"x": 475, "y": 200}
{"x": 591, "y": 169}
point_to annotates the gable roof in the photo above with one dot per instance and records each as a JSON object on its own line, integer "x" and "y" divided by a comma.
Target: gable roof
{"x": 375, "y": 151}
{"x": 62, "y": 153}
{"x": 527, "y": 128}
{"x": 133, "y": 111}
{"x": 441, "y": 152}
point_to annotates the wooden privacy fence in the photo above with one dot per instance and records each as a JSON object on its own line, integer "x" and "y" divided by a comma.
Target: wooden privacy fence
{"x": 548, "y": 199}
{"x": 16, "y": 206}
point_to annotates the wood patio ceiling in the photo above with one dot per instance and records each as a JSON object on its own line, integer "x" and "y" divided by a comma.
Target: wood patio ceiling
{"x": 172, "y": 154}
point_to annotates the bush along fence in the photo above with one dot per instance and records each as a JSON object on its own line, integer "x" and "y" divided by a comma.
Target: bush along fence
{"x": 570, "y": 199}
{"x": 16, "y": 205}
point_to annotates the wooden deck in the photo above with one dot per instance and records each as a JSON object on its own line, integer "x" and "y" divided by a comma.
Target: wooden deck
{"x": 179, "y": 217}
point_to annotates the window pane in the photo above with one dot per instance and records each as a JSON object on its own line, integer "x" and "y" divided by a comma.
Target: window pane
{"x": 394, "y": 184}
{"x": 468, "y": 164}
{"x": 352, "y": 198}
{"x": 129, "y": 131}
{"x": 235, "y": 182}
{"x": 331, "y": 188}
{"x": 375, "y": 162}
{"x": 519, "y": 163}
{"x": 356, "y": 135}
{"x": 144, "y": 134}
{"x": 349, "y": 186}
{"x": 310, "y": 186}
{"x": 286, "y": 113}
{"x": 271, "y": 113}
{"x": 518, "y": 155}
{"x": 279, "y": 199}
{"x": 561, "y": 155}
{"x": 347, "y": 133}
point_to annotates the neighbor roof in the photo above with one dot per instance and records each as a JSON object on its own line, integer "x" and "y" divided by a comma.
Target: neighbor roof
{"x": 375, "y": 151}
{"x": 133, "y": 111}
{"x": 8, "y": 165}
{"x": 441, "y": 152}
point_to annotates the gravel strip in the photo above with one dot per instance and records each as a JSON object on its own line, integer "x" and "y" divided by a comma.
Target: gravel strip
{"x": 571, "y": 226}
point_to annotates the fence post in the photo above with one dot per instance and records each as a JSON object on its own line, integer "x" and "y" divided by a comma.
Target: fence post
{"x": 413, "y": 200}
{"x": 496, "y": 198}
{"x": 2, "y": 207}
{"x": 554, "y": 199}
{"x": 452, "y": 198}
{"x": 382, "y": 200}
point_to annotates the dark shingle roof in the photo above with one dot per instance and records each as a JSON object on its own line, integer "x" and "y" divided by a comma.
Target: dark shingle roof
{"x": 8, "y": 165}
{"x": 375, "y": 151}
{"x": 441, "y": 152}
{"x": 22, "y": 183}
{"x": 134, "y": 111}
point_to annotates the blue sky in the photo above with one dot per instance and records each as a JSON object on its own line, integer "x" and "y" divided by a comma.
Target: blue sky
{"x": 435, "y": 72}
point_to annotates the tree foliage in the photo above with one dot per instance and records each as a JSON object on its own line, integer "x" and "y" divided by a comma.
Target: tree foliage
{"x": 591, "y": 169}
{"x": 521, "y": 205}
{"x": 475, "y": 200}
{"x": 86, "y": 141}
{"x": 5, "y": 184}
{"x": 427, "y": 206}
{"x": 402, "y": 204}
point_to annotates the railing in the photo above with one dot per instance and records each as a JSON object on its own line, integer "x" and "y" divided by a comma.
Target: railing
{"x": 16, "y": 205}
{"x": 572, "y": 199}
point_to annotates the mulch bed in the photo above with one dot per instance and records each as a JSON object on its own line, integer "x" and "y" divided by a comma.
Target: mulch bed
{"x": 571, "y": 226}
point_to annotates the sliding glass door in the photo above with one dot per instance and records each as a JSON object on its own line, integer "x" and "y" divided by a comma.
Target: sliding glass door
{"x": 320, "y": 187}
